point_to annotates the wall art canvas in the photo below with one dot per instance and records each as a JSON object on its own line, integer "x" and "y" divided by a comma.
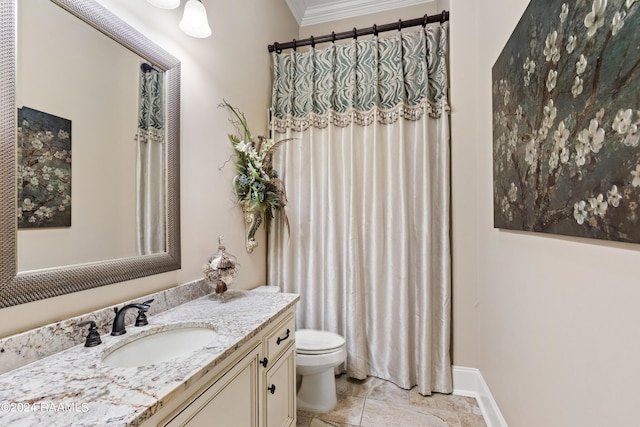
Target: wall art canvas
{"x": 43, "y": 170}
{"x": 566, "y": 118}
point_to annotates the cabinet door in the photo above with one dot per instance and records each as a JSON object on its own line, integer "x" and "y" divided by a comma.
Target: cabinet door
{"x": 230, "y": 401}
{"x": 280, "y": 384}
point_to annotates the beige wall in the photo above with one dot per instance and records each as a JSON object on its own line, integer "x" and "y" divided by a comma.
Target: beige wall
{"x": 233, "y": 64}
{"x": 556, "y": 319}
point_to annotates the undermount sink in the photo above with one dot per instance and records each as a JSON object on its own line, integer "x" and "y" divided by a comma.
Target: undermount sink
{"x": 160, "y": 347}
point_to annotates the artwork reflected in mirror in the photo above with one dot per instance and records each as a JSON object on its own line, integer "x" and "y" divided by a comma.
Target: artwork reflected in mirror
{"x": 44, "y": 169}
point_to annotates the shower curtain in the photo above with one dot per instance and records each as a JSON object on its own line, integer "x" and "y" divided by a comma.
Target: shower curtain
{"x": 150, "y": 166}
{"x": 367, "y": 179}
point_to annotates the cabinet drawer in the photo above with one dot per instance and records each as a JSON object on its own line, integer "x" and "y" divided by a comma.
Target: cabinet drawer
{"x": 280, "y": 338}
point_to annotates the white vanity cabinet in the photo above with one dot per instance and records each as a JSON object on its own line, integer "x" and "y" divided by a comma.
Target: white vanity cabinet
{"x": 279, "y": 376}
{"x": 253, "y": 387}
{"x": 229, "y": 401}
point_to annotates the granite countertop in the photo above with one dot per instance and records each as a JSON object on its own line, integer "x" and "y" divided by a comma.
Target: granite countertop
{"x": 74, "y": 387}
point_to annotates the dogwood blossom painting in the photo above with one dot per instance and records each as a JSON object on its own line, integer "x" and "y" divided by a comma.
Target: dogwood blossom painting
{"x": 44, "y": 169}
{"x": 566, "y": 118}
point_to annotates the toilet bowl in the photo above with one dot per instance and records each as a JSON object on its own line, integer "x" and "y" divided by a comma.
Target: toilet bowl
{"x": 317, "y": 354}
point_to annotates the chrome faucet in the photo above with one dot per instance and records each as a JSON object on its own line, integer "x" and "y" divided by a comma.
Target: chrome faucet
{"x": 118, "y": 321}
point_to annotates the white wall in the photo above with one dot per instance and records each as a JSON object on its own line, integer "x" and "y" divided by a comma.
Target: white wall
{"x": 233, "y": 64}
{"x": 556, "y": 318}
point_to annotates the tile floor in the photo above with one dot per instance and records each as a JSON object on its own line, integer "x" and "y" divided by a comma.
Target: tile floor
{"x": 378, "y": 403}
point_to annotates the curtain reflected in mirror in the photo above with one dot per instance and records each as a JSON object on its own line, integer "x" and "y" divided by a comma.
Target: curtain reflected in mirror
{"x": 150, "y": 179}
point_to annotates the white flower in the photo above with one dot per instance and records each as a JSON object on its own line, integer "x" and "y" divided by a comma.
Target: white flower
{"x": 513, "y": 136}
{"x": 635, "y": 182}
{"x": 564, "y": 155}
{"x": 592, "y": 137}
{"x": 36, "y": 143}
{"x": 27, "y": 205}
{"x": 561, "y": 135}
{"x": 564, "y": 13}
{"x": 618, "y": 22}
{"x": 513, "y": 192}
{"x": 60, "y": 154}
{"x": 553, "y": 160}
{"x": 571, "y": 44}
{"x": 550, "y": 112}
{"x": 595, "y": 19}
{"x": 531, "y": 153}
{"x": 580, "y": 158}
{"x": 598, "y": 205}
{"x": 551, "y": 51}
{"x": 529, "y": 67}
{"x": 614, "y": 197}
{"x": 552, "y": 79}
{"x": 581, "y": 65}
{"x": 622, "y": 121}
{"x": 633, "y": 136}
{"x": 577, "y": 87}
{"x": 63, "y": 134}
{"x": 242, "y": 146}
{"x": 580, "y": 212}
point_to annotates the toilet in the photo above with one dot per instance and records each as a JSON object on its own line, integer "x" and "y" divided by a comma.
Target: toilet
{"x": 318, "y": 353}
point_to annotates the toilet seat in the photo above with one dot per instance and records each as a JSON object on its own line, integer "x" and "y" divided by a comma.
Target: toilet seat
{"x": 313, "y": 342}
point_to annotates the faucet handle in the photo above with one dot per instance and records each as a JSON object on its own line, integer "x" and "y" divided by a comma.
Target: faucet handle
{"x": 147, "y": 303}
{"x": 141, "y": 320}
{"x": 93, "y": 338}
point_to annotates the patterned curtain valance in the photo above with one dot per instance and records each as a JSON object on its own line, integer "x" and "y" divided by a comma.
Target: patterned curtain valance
{"x": 151, "y": 107}
{"x": 379, "y": 79}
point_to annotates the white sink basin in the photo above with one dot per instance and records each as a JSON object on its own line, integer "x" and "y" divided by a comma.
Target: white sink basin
{"x": 160, "y": 347}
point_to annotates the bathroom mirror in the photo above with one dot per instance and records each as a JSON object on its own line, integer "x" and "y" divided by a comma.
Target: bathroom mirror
{"x": 46, "y": 273}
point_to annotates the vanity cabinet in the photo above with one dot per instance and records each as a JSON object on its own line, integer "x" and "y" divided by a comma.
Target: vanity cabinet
{"x": 230, "y": 401}
{"x": 279, "y": 376}
{"x": 254, "y": 387}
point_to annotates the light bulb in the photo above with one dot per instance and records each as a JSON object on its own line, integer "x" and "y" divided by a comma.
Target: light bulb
{"x": 165, "y": 4}
{"x": 194, "y": 21}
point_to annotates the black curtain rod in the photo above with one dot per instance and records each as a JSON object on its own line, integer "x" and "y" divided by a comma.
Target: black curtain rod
{"x": 355, "y": 33}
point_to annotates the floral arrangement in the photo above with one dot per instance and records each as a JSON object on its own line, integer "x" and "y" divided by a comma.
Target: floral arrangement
{"x": 256, "y": 185}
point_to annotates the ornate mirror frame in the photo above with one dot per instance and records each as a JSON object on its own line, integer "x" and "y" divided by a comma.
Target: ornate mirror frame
{"x": 22, "y": 287}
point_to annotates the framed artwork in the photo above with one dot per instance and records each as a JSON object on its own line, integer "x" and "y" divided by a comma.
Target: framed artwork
{"x": 43, "y": 169}
{"x": 566, "y": 119}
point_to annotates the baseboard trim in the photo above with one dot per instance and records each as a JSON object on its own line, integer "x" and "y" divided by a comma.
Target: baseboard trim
{"x": 469, "y": 382}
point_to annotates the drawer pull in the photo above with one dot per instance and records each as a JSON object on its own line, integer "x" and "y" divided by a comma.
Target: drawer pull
{"x": 272, "y": 389}
{"x": 279, "y": 340}
{"x": 264, "y": 362}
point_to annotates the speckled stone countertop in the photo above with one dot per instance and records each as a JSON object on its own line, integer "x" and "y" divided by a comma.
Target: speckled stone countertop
{"x": 74, "y": 387}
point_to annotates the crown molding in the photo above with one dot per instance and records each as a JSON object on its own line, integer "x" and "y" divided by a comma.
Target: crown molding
{"x": 328, "y": 11}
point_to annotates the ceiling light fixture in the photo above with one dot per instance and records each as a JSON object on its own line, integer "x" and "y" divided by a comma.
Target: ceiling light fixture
{"x": 194, "y": 20}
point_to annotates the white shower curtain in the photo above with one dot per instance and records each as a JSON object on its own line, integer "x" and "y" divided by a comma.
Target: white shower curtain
{"x": 150, "y": 166}
{"x": 367, "y": 182}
